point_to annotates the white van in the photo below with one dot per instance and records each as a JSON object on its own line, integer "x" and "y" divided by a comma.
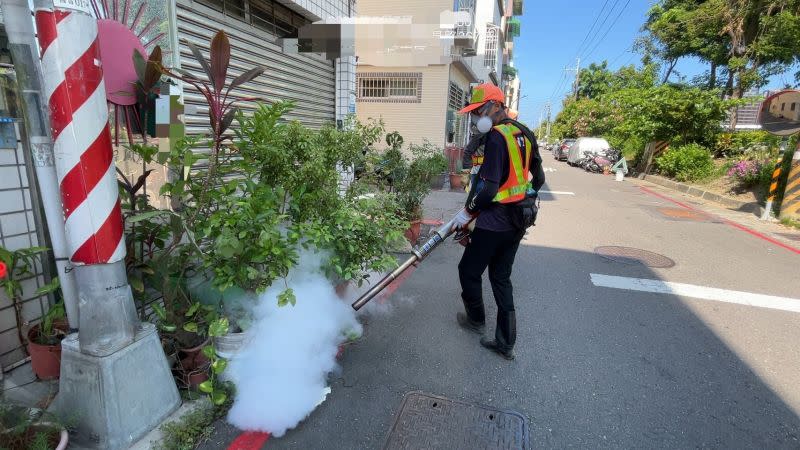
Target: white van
{"x": 586, "y": 145}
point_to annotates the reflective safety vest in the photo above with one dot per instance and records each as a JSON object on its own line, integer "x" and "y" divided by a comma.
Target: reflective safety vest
{"x": 519, "y": 159}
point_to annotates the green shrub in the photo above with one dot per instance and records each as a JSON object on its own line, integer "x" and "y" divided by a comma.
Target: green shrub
{"x": 690, "y": 162}
{"x": 742, "y": 142}
{"x": 632, "y": 147}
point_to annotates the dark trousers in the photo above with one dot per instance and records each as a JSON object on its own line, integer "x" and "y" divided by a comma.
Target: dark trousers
{"x": 496, "y": 250}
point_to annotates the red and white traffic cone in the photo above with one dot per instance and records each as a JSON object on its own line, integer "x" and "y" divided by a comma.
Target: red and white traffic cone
{"x": 74, "y": 88}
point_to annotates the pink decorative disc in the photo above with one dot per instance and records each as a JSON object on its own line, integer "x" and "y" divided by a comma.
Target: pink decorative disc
{"x": 117, "y": 44}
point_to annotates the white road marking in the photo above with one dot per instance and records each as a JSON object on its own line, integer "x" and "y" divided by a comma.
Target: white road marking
{"x": 699, "y": 292}
{"x": 557, "y": 192}
{"x": 549, "y": 169}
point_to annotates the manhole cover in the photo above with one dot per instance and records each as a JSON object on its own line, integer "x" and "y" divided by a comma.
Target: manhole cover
{"x": 686, "y": 215}
{"x": 432, "y": 422}
{"x": 630, "y": 255}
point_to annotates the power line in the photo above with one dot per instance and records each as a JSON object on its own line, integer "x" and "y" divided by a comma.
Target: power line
{"x": 616, "y": 19}
{"x": 620, "y": 56}
{"x": 589, "y": 32}
{"x": 558, "y": 84}
{"x": 605, "y": 19}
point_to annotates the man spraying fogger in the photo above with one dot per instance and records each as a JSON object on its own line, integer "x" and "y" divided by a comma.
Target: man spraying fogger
{"x": 503, "y": 203}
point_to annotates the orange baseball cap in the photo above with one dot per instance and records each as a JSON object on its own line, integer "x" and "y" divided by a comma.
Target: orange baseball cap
{"x": 481, "y": 94}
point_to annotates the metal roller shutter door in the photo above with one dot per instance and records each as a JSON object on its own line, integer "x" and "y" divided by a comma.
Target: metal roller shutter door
{"x": 306, "y": 79}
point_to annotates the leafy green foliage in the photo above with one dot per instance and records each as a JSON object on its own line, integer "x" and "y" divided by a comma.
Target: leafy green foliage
{"x": 360, "y": 236}
{"x": 19, "y": 264}
{"x": 629, "y": 109}
{"x": 744, "y": 143}
{"x": 26, "y": 428}
{"x": 690, "y": 162}
{"x": 195, "y": 427}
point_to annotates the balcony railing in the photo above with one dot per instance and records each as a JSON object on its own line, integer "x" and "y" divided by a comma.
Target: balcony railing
{"x": 513, "y": 27}
{"x": 517, "y": 10}
{"x": 466, "y": 36}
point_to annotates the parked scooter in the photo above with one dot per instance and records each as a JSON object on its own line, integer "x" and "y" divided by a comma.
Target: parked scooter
{"x": 596, "y": 162}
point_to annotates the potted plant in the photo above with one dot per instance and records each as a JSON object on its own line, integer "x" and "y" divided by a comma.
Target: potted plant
{"x": 438, "y": 163}
{"x": 44, "y": 340}
{"x": 455, "y": 163}
{"x": 23, "y": 428}
{"x": 414, "y": 184}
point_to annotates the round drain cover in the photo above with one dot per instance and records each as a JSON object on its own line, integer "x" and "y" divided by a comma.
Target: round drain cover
{"x": 630, "y": 255}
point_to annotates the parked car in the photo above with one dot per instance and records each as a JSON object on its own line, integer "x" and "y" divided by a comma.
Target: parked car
{"x": 585, "y": 145}
{"x": 562, "y": 149}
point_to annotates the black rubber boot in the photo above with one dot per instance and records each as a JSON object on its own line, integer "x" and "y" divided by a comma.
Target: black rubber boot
{"x": 491, "y": 344}
{"x": 469, "y": 325}
{"x": 506, "y": 332}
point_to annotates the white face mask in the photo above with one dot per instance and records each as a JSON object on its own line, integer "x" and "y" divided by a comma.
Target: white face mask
{"x": 484, "y": 124}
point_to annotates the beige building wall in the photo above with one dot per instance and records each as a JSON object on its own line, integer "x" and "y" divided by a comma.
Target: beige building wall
{"x": 414, "y": 121}
{"x": 400, "y": 38}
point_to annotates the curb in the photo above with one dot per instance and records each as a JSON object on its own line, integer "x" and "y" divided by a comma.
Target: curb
{"x": 700, "y": 193}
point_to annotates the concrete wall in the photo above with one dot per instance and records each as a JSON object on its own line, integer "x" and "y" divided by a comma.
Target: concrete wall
{"x": 414, "y": 121}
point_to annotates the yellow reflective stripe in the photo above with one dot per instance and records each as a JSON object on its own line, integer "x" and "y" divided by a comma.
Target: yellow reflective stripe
{"x": 511, "y": 192}
{"x": 513, "y": 152}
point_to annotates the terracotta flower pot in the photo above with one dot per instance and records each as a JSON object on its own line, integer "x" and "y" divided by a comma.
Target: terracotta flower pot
{"x": 193, "y": 358}
{"x": 342, "y": 288}
{"x": 456, "y": 182}
{"x": 45, "y": 359}
{"x": 413, "y": 231}
{"x": 193, "y": 379}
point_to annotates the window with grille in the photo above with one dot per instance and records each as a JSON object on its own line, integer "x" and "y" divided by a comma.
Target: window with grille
{"x": 456, "y": 123}
{"x": 490, "y": 47}
{"x": 233, "y": 8}
{"x": 390, "y": 87}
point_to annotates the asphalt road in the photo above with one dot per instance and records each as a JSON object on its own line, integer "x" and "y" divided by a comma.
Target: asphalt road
{"x": 596, "y": 367}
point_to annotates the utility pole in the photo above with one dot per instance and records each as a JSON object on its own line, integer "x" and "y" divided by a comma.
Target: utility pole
{"x": 577, "y": 70}
{"x": 22, "y": 43}
{"x": 111, "y": 344}
{"x": 539, "y": 125}
{"x": 547, "y": 133}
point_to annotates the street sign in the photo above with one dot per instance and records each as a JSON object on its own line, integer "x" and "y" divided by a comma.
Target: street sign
{"x": 780, "y": 113}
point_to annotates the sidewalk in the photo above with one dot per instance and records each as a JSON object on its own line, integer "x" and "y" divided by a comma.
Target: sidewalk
{"x": 747, "y": 219}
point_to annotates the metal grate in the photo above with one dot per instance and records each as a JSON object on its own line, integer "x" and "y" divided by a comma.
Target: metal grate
{"x": 630, "y": 255}
{"x": 456, "y": 124}
{"x": 433, "y": 422}
{"x": 391, "y": 87}
{"x": 18, "y": 220}
{"x": 490, "y": 47}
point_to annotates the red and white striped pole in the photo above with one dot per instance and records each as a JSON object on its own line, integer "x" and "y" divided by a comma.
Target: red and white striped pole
{"x": 74, "y": 88}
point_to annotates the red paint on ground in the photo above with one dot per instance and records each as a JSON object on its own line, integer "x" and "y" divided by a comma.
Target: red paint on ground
{"x": 249, "y": 440}
{"x": 729, "y": 222}
{"x": 433, "y": 222}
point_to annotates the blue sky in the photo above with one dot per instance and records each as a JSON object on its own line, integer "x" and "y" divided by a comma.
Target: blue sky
{"x": 552, "y": 33}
